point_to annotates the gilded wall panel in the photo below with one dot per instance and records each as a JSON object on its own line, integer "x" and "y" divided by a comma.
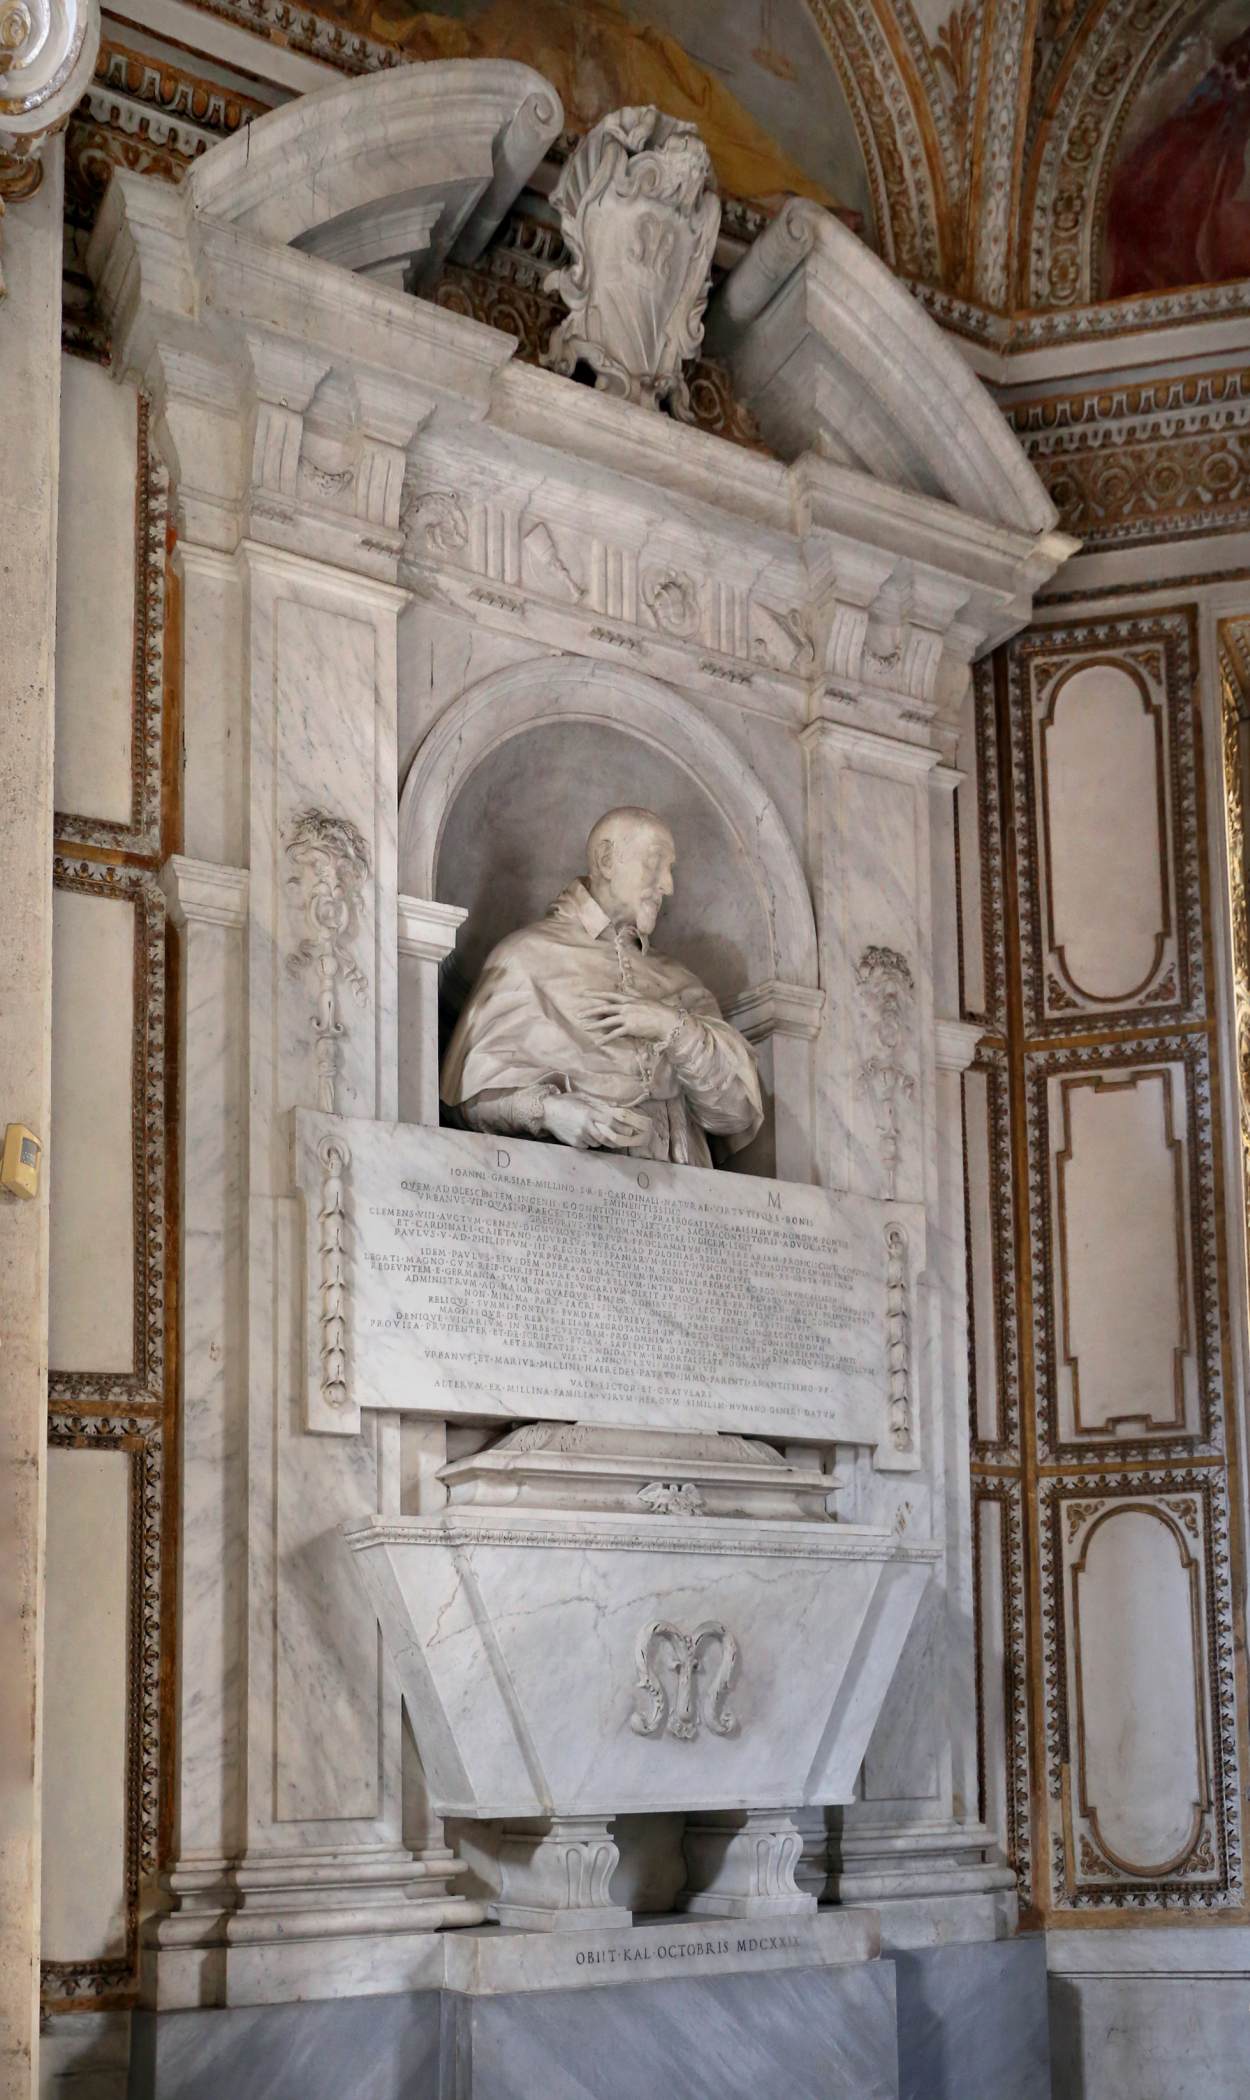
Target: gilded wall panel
{"x": 1105, "y": 784}
{"x": 93, "y": 1227}
{"x": 1126, "y": 1363}
{"x": 110, "y": 619}
{"x": 1127, "y": 1346}
{"x": 1101, "y": 1244}
{"x": 98, "y": 555}
{"x": 92, "y": 1971}
{"x": 85, "y": 1643}
{"x": 136, "y": 1161}
{"x": 111, "y": 1394}
{"x": 1140, "y": 1698}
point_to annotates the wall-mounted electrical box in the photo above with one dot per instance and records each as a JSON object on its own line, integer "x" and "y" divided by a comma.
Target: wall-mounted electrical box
{"x": 19, "y": 1169}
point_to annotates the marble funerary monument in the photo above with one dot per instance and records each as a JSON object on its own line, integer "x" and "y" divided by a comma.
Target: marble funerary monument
{"x": 602, "y": 1412}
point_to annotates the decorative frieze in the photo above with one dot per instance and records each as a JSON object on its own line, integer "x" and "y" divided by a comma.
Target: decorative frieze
{"x": 781, "y": 639}
{"x": 1137, "y": 464}
{"x": 433, "y": 520}
{"x": 672, "y": 599}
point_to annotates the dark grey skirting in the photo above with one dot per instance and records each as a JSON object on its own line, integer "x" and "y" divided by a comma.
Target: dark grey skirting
{"x": 795, "y": 2034}
{"x": 972, "y": 2021}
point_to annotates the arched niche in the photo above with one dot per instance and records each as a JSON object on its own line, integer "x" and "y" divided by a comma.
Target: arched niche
{"x": 516, "y": 828}
{"x": 570, "y": 689}
{"x": 493, "y": 820}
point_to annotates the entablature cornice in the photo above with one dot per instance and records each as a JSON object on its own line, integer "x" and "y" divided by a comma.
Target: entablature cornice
{"x": 360, "y": 404}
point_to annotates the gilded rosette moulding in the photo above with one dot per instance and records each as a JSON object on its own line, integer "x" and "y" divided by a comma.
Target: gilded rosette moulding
{"x": 640, "y": 216}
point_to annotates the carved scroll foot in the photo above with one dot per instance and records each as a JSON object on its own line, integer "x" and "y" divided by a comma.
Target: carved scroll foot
{"x": 557, "y": 1875}
{"x": 740, "y": 1863}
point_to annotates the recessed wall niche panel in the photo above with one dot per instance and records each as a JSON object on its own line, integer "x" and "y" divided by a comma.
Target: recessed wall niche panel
{"x": 535, "y": 798}
{"x": 1106, "y": 790}
{"x": 1127, "y": 1363}
{"x": 1141, "y": 1726}
{"x": 110, "y": 613}
{"x": 86, "y": 1647}
{"x": 91, "y": 1206}
{"x": 106, "y": 1204}
{"x": 1126, "y": 1315}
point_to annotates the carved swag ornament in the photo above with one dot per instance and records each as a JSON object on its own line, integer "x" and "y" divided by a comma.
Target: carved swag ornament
{"x": 332, "y": 863}
{"x": 640, "y": 217}
{"x": 887, "y": 989}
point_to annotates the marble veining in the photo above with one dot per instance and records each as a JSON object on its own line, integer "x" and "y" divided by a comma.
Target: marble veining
{"x": 404, "y": 552}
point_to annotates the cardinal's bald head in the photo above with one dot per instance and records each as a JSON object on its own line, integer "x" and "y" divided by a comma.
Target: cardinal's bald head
{"x": 629, "y": 866}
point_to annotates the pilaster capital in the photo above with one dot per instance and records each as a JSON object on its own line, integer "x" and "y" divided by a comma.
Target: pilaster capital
{"x": 428, "y": 930}
{"x": 774, "y": 1008}
{"x": 202, "y": 893}
{"x": 867, "y": 750}
{"x": 957, "y": 1044}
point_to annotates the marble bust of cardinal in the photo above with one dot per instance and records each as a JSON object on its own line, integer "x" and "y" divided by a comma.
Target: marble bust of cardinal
{"x": 578, "y": 1031}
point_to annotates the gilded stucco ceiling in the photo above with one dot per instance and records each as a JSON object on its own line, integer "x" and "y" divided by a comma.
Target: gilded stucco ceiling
{"x": 1007, "y": 156}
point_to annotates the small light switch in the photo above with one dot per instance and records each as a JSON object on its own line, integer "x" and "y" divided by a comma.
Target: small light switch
{"x": 19, "y": 1170}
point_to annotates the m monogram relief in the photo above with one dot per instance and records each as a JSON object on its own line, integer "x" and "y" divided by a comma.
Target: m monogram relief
{"x": 332, "y": 862}
{"x": 690, "y": 1702}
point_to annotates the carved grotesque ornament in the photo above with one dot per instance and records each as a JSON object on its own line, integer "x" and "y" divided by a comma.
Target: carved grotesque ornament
{"x": 640, "y": 216}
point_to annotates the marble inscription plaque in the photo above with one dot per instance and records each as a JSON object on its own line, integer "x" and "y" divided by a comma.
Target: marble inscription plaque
{"x": 484, "y": 1277}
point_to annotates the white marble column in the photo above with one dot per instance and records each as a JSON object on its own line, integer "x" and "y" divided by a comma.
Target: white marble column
{"x": 30, "y": 359}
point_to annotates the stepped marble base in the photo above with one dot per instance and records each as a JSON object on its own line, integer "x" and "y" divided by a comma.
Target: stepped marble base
{"x": 717, "y": 2012}
{"x": 795, "y": 2034}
